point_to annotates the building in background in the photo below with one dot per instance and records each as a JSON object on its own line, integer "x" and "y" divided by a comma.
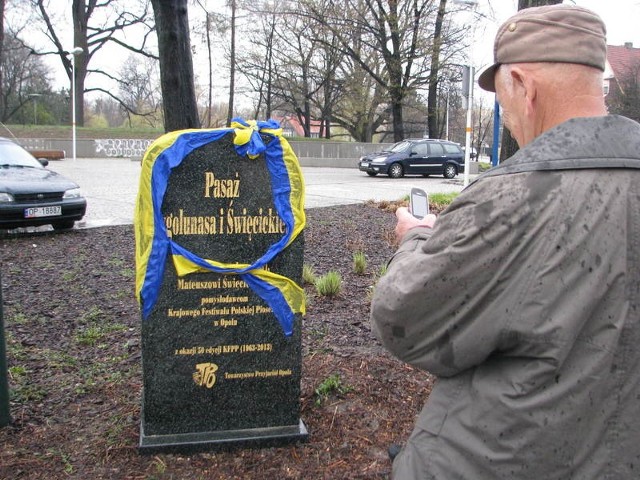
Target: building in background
{"x": 622, "y": 80}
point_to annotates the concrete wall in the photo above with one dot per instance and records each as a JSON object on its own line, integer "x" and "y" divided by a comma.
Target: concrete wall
{"x": 309, "y": 153}
{"x": 333, "y": 154}
{"x": 116, "y": 147}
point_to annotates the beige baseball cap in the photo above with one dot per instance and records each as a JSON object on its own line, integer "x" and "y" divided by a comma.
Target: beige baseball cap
{"x": 553, "y": 33}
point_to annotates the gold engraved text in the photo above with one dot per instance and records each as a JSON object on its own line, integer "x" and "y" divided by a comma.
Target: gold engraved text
{"x": 221, "y": 187}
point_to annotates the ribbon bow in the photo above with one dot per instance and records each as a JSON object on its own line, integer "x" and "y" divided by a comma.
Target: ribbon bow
{"x": 248, "y": 140}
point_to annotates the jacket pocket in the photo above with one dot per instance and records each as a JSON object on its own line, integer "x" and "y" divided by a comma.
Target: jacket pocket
{"x": 431, "y": 420}
{"x": 444, "y": 396}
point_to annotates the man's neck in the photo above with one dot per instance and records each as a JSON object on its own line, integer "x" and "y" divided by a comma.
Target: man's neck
{"x": 576, "y": 106}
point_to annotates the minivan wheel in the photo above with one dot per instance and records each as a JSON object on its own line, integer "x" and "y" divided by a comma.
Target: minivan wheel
{"x": 450, "y": 171}
{"x": 396, "y": 170}
{"x": 372, "y": 174}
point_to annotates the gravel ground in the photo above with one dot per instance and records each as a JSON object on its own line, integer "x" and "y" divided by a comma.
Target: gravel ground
{"x": 73, "y": 341}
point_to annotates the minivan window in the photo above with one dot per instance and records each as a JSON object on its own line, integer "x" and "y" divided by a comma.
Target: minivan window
{"x": 452, "y": 148}
{"x": 436, "y": 150}
{"x": 420, "y": 149}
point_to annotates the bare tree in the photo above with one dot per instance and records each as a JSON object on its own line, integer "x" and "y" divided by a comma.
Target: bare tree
{"x": 259, "y": 64}
{"x": 223, "y": 24}
{"x": 139, "y": 93}
{"x": 24, "y": 75}
{"x": 110, "y": 110}
{"x": 398, "y": 30}
{"x": 208, "y": 27}
{"x": 361, "y": 107}
{"x": 295, "y": 82}
{"x": 176, "y": 66}
{"x": 95, "y": 25}
{"x": 434, "y": 73}
{"x": 329, "y": 61}
{"x": 483, "y": 125}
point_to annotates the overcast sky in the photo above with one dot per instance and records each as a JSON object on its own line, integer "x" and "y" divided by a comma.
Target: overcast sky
{"x": 620, "y": 16}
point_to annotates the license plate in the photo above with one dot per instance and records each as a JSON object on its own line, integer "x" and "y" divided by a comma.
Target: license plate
{"x": 42, "y": 211}
{"x": 364, "y": 164}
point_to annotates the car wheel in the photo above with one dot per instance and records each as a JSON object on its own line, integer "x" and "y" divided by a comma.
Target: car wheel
{"x": 450, "y": 171}
{"x": 63, "y": 225}
{"x": 372, "y": 174}
{"x": 396, "y": 170}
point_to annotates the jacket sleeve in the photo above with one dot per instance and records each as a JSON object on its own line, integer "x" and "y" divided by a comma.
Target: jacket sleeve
{"x": 448, "y": 292}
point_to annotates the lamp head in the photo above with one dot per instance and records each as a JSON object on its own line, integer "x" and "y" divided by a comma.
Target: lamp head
{"x": 76, "y": 51}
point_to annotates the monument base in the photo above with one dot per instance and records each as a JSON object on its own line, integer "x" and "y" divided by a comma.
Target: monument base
{"x": 223, "y": 440}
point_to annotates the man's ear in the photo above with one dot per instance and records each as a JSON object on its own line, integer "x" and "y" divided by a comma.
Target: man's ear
{"x": 525, "y": 85}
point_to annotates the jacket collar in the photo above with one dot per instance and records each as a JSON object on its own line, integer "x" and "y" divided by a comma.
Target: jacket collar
{"x": 611, "y": 141}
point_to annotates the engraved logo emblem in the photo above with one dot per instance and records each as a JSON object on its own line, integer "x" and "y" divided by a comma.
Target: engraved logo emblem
{"x": 205, "y": 374}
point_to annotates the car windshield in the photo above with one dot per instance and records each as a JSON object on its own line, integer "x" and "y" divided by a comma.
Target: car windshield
{"x": 12, "y": 155}
{"x": 400, "y": 146}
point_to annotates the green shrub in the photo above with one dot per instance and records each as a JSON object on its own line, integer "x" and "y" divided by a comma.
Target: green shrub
{"x": 372, "y": 288}
{"x": 484, "y": 166}
{"x": 439, "y": 201}
{"x": 89, "y": 336}
{"x": 329, "y": 284}
{"x": 359, "y": 263}
{"x": 331, "y": 385}
{"x": 308, "y": 274}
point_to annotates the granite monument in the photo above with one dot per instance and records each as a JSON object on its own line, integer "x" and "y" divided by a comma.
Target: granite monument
{"x": 219, "y": 250}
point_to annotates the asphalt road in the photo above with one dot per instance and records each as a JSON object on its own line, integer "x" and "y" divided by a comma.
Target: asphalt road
{"x": 110, "y": 186}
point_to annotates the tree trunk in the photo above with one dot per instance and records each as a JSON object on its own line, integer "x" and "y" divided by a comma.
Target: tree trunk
{"x": 267, "y": 100}
{"x": 232, "y": 63}
{"x": 396, "y": 97}
{"x": 1, "y": 53}
{"x": 80, "y": 60}
{"x": 509, "y": 145}
{"x": 210, "y": 97}
{"x": 522, "y": 4}
{"x": 432, "y": 99}
{"x": 176, "y": 67}
{"x": 394, "y": 62}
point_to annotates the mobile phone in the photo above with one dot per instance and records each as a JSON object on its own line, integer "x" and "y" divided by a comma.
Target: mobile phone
{"x": 419, "y": 203}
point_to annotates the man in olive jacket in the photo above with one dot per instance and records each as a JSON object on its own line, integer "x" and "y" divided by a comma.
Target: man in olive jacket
{"x": 524, "y": 296}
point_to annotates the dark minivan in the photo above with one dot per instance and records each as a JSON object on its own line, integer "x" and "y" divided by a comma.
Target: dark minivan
{"x": 415, "y": 157}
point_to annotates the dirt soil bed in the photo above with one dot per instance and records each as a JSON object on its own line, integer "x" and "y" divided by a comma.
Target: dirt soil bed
{"x": 73, "y": 350}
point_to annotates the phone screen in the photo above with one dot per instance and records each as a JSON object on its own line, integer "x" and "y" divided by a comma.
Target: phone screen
{"x": 419, "y": 203}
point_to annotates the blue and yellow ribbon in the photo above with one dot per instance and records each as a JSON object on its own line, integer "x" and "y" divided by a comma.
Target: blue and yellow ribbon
{"x": 153, "y": 244}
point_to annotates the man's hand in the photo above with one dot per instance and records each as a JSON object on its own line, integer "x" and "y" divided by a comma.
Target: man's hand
{"x": 407, "y": 221}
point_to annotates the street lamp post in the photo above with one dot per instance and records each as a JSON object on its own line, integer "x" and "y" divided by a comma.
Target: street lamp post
{"x": 467, "y": 137}
{"x": 35, "y": 106}
{"x": 468, "y": 127}
{"x": 72, "y": 55}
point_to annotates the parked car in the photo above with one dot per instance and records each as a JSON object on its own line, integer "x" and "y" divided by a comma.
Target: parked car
{"x": 415, "y": 157}
{"x": 32, "y": 195}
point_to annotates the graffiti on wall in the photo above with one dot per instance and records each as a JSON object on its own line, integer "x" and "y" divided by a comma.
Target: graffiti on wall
{"x": 121, "y": 147}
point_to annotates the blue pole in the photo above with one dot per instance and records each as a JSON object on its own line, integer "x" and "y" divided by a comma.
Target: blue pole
{"x": 496, "y": 135}
{"x": 5, "y": 418}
